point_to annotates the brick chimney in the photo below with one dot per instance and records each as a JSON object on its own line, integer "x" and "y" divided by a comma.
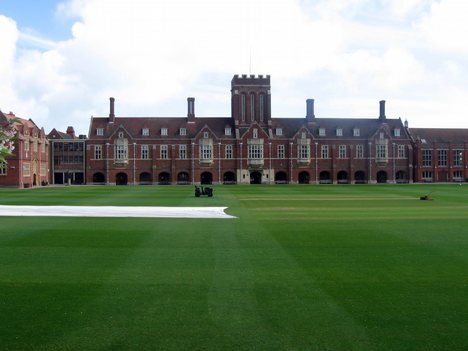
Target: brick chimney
{"x": 191, "y": 109}
{"x": 71, "y": 132}
{"x": 382, "y": 111}
{"x": 310, "y": 113}
{"x": 111, "y": 110}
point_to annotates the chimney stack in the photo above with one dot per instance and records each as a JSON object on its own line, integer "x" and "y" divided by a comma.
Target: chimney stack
{"x": 310, "y": 113}
{"x": 111, "y": 110}
{"x": 71, "y": 132}
{"x": 382, "y": 110}
{"x": 191, "y": 108}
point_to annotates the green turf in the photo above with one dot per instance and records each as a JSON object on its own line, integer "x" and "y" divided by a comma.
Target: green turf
{"x": 302, "y": 268}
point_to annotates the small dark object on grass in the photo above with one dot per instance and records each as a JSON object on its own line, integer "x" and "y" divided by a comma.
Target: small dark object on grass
{"x": 426, "y": 197}
{"x": 200, "y": 190}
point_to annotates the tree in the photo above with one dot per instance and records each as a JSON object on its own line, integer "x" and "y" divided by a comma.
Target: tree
{"x": 7, "y": 141}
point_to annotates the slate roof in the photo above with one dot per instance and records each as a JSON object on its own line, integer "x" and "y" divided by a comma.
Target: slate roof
{"x": 430, "y": 136}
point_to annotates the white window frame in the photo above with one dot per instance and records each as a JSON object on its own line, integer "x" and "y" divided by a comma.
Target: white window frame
{"x": 206, "y": 152}
{"x": 164, "y": 131}
{"x": 356, "y": 132}
{"x": 183, "y": 152}
{"x": 183, "y": 131}
{"x": 322, "y": 132}
{"x": 3, "y": 168}
{"x": 121, "y": 152}
{"x": 100, "y": 131}
{"x": 401, "y": 151}
{"x": 144, "y": 152}
{"x": 227, "y": 131}
{"x": 145, "y": 132}
{"x": 281, "y": 152}
{"x": 279, "y": 131}
{"x": 228, "y": 152}
{"x": 324, "y": 152}
{"x": 98, "y": 152}
{"x": 359, "y": 151}
{"x": 442, "y": 157}
{"x": 255, "y": 152}
{"x": 164, "y": 152}
{"x": 396, "y": 132}
{"x": 303, "y": 151}
{"x": 342, "y": 151}
{"x": 381, "y": 152}
{"x": 426, "y": 157}
{"x": 339, "y": 132}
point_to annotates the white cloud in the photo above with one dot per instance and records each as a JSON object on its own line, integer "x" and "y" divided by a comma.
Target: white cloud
{"x": 151, "y": 55}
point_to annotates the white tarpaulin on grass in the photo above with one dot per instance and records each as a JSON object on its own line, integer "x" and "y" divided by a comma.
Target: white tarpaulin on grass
{"x": 114, "y": 211}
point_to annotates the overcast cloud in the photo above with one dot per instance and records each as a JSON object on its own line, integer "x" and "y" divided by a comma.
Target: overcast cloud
{"x": 151, "y": 55}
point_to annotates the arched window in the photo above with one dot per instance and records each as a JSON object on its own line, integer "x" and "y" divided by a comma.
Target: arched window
{"x": 262, "y": 107}
{"x": 252, "y": 107}
{"x": 242, "y": 107}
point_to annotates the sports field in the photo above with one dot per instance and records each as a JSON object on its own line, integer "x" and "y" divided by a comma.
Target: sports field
{"x": 301, "y": 268}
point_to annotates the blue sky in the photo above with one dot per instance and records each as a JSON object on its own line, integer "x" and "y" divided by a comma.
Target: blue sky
{"x": 62, "y": 60}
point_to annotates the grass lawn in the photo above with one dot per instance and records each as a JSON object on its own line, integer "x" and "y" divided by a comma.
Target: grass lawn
{"x": 302, "y": 268}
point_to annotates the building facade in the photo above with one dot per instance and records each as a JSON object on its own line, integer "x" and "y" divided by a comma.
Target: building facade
{"x": 67, "y": 157}
{"x": 29, "y": 164}
{"x": 249, "y": 147}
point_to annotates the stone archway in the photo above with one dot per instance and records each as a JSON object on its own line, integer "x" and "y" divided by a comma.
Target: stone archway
{"x": 382, "y": 177}
{"x": 304, "y": 177}
{"x": 281, "y": 177}
{"x": 206, "y": 178}
{"x": 255, "y": 177}
{"x": 121, "y": 178}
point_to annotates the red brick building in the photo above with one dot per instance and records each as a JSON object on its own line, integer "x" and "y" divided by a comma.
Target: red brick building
{"x": 440, "y": 154}
{"x": 29, "y": 164}
{"x": 250, "y": 146}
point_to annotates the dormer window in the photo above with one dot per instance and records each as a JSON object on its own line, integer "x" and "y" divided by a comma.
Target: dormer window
{"x": 339, "y": 132}
{"x": 99, "y": 131}
{"x": 164, "y": 131}
{"x": 396, "y": 132}
{"x": 356, "y": 132}
{"x": 227, "y": 131}
{"x": 322, "y": 132}
{"x": 145, "y": 131}
{"x": 279, "y": 131}
{"x": 183, "y": 131}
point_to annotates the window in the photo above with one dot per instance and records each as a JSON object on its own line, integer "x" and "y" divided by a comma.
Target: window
{"x": 304, "y": 151}
{"x": 303, "y": 135}
{"x": 227, "y": 131}
{"x": 98, "y": 152}
{"x": 280, "y": 151}
{"x": 256, "y": 151}
{"x": 356, "y": 132}
{"x": 206, "y": 151}
{"x": 458, "y": 175}
{"x": 381, "y": 151}
{"x": 163, "y": 152}
{"x": 121, "y": 152}
{"x": 121, "y": 135}
{"x": 243, "y": 107}
{"x": 26, "y": 169}
{"x": 381, "y": 135}
{"x": 401, "y": 151}
{"x": 396, "y": 132}
{"x": 99, "y": 131}
{"x": 26, "y": 146}
{"x": 442, "y": 158}
{"x": 183, "y": 131}
{"x": 427, "y": 176}
{"x": 262, "y": 107}
{"x": 3, "y": 168}
{"x": 279, "y": 131}
{"x": 322, "y": 132}
{"x": 183, "y": 152}
{"x": 324, "y": 151}
{"x": 144, "y": 152}
{"x": 342, "y": 151}
{"x": 360, "y": 151}
{"x": 339, "y": 132}
{"x": 255, "y": 133}
{"x": 457, "y": 157}
{"x": 427, "y": 158}
{"x": 206, "y": 135}
{"x": 35, "y": 146}
{"x": 228, "y": 152}
{"x": 164, "y": 131}
{"x": 145, "y": 131}
{"x": 252, "y": 107}
{"x": 43, "y": 169}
